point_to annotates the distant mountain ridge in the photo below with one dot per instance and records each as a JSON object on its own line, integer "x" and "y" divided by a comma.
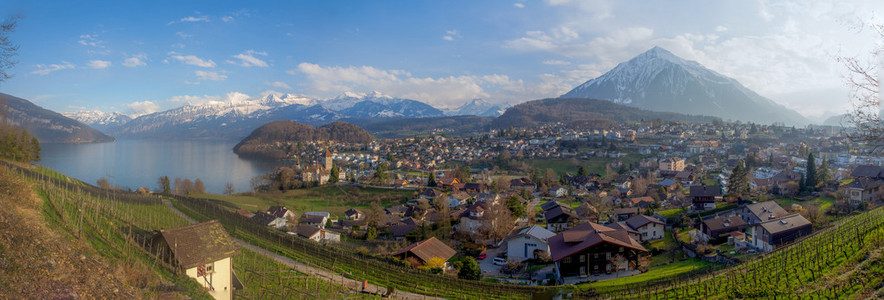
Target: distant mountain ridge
{"x": 235, "y": 119}
{"x": 660, "y": 81}
{"x": 48, "y": 126}
{"x": 478, "y": 107}
{"x": 100, "y": 120}
{"x": 582, "y": 110}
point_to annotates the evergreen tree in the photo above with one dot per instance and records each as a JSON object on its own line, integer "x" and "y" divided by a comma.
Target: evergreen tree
{"x": 802, "y": 184}
{"x": 335, "y": 174}
{"x": 516, "y": 206}
{"x": 432, "y": 181}
{"x": 811, "y": 178}
{"x": 581, "y": 171}
{"x": 824, "y": 175}
{"x": 469, "y": 269}
{"x": 738, "y": 184}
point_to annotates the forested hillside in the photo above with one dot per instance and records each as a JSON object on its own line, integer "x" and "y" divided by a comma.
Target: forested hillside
{"x": 273, "y": 140}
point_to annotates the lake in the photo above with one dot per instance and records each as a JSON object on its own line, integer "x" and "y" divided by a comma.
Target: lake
{"x": 139, "y": 163}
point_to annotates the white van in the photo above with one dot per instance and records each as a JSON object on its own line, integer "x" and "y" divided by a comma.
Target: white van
{"x": 499, "y": 261}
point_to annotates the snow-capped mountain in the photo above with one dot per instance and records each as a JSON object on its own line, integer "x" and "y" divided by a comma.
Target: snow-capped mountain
{"x": 376, "y": 104}
{"x": 658, "y": 80}
{"x": 99, "y": 120}
{"x": 236, "y": 117}
{"x": 478, "y": 107}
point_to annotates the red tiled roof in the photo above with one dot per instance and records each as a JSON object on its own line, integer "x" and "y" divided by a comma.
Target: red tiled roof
{"x": 427, "y": 249}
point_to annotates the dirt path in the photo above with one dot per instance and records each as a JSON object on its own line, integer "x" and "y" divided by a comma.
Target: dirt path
{"x": 323, "y": 274}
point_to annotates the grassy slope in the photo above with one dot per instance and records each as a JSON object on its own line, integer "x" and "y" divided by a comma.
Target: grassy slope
{"x": 333, "y": 199}
{"x": 41, "y": 256}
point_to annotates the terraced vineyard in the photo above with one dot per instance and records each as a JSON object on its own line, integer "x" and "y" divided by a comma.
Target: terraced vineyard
{"x": 109, "y": 220}
{"x": 352, "y": 264}
{"x": 844, "y": 261}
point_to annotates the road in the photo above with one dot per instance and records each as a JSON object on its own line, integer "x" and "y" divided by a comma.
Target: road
{"x": 356, "y": 286}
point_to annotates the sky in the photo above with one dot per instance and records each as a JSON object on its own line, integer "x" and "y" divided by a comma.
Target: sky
{"x": 138, "y": 57}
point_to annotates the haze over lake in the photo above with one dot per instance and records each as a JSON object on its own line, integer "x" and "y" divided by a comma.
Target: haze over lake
{"x": 137, "y": 163}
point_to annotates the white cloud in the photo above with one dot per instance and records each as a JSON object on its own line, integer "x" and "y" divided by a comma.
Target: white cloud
{"x": 95, "y": 46}
{"x": 90, "y": 40}
{"x": 193, "y": 60}
{"x": 215, "y": 76}
{"x": 720, "y": 28}
{"x": 449, "y": 91}
{"x": 99, "y": 64}
{"x": 519, "y": 5}
{"x": 140, "y": 108}
{"x": 227, "y": 18}
{"x": 190, "y": 19}
{"x": 135, "y": 61}
{"x": 182, "y": 35}
{"x": 248, "y": 59}
{"x": 556, "y": 62}
{"x": 46, "y": 69}
{"x": 206, "y": 99}
{"x": 279, "y": 84}
{"x": 450, "y": 35}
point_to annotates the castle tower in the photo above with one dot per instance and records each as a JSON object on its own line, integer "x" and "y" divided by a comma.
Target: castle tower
{"x": 328, "y": 160}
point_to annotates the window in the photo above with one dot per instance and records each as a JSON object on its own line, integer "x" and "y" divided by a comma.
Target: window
{"x": 608, "y": 255}
{"x": 583, "y": 258}
{"x": 595, "y": 267}
{"x": 644, "y": 234}
{"x": 621, "y": 249}
{"x": 595, "y": 255}
{"x": 567, "y": 260}
{"x": 210, "y": 268}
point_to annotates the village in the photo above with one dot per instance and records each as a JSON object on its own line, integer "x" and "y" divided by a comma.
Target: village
{"x": 563, "y": 205}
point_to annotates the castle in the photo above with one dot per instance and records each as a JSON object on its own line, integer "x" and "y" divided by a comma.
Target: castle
{"x": 318, "y": 172}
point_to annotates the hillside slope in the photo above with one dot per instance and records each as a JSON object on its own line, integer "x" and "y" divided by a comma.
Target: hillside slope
{"x": 46, "y": 125}
{"x": 38, "y": 263}
{"x": 536, "y": 112}
{"x": 273, "y": 140}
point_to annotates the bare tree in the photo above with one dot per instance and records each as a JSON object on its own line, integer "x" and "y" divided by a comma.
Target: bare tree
{"x": 103, "y": 183}
{"x": 199, "y": 187}
{"x": 862, "y": 78}
{"x": 229, "y": 189}
{"x": 8, "y": 50}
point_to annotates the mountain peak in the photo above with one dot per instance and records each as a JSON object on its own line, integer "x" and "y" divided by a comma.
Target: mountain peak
{"x": 660, "y": 53}
{"x": 661, "y": 81}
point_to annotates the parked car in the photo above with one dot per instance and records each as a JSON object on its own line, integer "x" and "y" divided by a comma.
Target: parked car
{"x": 482, "y": 255}
{"x": 499, "y": 261}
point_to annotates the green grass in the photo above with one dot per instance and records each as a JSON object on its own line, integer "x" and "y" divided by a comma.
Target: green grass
{"x": 593, "y": 164}
{"x": 333, "y": 199}
{"x": 822, "y": 202}
{"x": 673, "y": 269}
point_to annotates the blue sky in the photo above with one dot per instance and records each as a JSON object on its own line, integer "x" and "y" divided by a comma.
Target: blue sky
{"x": 138, "y": 57}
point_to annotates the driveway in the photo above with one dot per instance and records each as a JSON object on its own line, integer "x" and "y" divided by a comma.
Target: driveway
{"x": 487, "y": 264}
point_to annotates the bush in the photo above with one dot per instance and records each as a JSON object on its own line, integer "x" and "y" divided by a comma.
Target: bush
{"x": 469, "y": 270}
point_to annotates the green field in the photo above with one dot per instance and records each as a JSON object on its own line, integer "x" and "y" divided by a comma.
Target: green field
{"x": 822, "y": 202}
{"x": 673, "y": 269}
{"x": 335, "y": 199}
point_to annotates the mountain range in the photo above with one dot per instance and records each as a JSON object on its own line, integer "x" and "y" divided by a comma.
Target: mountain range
{"x": 46, "y": 125}
{"x": 234, "y": 119}
{"x": 658, "y": 80}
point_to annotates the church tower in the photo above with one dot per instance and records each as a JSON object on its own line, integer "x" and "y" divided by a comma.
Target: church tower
{"x": 328, "y": 160}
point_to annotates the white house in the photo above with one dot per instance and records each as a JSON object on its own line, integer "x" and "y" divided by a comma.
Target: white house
{"x": 528, "y": 243}
{"x": 317, "y": 234}
{"x": 649, "y": 228}
{"x": 203, "y": 252}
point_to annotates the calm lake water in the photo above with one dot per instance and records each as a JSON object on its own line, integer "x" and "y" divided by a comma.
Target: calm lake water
{"x": 137, "y": 163}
